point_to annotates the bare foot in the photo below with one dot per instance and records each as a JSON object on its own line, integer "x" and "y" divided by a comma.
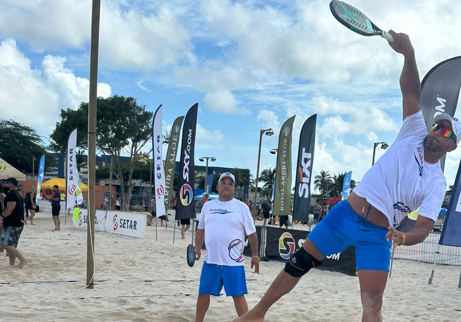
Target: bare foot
{"x": 56, "y": 229}
{"x": 248, "y": 318}
{"x": 22, "y": 264}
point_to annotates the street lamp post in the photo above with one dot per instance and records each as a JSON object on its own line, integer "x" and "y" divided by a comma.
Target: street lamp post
{"x": 384, "y": 146}
{"x": 268, "y": 132}
{"x": 33, "y": 169}
{"x": 212, "y": 159}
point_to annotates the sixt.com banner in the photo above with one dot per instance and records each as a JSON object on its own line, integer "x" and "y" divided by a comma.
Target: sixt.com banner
{"x": 440, "y": 91}
{"x": 185, "y": 206}
{"x": 302, "y": 199}
{"x": 281, "y": 243}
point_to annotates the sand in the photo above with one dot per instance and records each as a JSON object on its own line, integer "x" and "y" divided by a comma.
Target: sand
{"x": 147, "y": 280}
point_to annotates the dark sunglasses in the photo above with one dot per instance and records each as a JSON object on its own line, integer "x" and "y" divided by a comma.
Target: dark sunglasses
{"x": 446, "y": 131}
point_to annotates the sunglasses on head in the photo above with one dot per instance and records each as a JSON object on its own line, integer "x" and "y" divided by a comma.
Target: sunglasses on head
{"x": 446, "y": 131}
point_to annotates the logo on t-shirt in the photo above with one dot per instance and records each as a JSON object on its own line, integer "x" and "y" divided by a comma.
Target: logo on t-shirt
{"x": 401, "y": 207}
{"x": 219, "y": 211}
{"x": 236, "y": 250}
{"x": 419, "y": 160}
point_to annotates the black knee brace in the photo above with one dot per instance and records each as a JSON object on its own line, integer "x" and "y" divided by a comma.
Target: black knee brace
{"x": 300, "y": 263}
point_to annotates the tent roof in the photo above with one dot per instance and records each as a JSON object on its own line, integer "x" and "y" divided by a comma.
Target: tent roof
{"x": 8, "y": 171}
{"x": 61, "y": 184}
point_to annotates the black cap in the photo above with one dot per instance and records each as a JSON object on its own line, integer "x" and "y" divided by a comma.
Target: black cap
{"x": 13, "y": 181}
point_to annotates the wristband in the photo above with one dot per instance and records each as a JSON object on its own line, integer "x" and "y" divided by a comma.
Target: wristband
{"x": 402, "y": 236}
{"x": 259, "y": 259}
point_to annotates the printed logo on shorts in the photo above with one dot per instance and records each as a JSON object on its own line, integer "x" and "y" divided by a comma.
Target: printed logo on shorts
{"x": 236, "y": 250}
{"x": 286, "y": 245}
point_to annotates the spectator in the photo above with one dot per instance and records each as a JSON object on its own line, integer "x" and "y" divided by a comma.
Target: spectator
{"x": 224, "y": 222}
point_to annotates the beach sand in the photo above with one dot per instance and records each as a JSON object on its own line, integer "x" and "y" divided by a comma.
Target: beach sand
{"x": 148, "y": 280}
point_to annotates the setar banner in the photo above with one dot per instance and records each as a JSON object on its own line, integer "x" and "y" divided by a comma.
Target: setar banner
{"x": 157, "y": 153}
{"x": 170, "y": 160}
{"x": 440, "y": 91}
{"x": 304, "y": 165}
{"x": 72, "y": 179}
{"x": 282, "y": 190}
{"x": 185, "y": 208}
{"x": 346, "y": 185}
{"x": 126, "y": 223}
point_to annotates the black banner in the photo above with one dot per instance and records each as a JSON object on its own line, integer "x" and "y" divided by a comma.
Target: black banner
{"x": 281, "y": 243}
{"x": 247, "y": 249}
{"x": 440, "y": 91}
{"x": 304, "y": 165}
{"x": 185, "y": 208}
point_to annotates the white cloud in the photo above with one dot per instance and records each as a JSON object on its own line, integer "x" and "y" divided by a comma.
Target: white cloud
{"x": 224, "y": 101}
{"x": 35, "y": 97}
{"x": 268, "y": 119}
{"x": 46, "y": 25}
{"x": 130, "y": 40}
{"x": 207, "y": 139}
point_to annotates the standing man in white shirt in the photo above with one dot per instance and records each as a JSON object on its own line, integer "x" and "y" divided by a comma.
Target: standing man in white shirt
{"x": 224, "y": 222}
{"x": 405, "y": 178}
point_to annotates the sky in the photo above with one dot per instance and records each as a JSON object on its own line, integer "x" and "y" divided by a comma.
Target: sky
{"x": 250, "y": 65}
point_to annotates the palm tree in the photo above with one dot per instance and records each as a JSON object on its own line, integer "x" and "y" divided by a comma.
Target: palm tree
{"x": 267, "y": 176}
{"x": 322, "y": 182}
{"x": 241, "y": 178}
{"x": 336, "y": 187}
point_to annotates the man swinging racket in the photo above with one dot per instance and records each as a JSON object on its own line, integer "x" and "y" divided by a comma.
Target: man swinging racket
{"x": 406, "y": 177}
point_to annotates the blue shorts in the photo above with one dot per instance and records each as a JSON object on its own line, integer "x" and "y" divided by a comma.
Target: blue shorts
{"x": 214, "y": 276}
{"x": 343, "y": 227}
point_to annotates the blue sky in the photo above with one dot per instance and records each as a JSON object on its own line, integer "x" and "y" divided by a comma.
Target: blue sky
{"x": 249, "y": 64}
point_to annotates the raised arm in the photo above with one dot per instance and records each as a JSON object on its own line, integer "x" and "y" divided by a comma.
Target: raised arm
{"x": 410, "y": 84}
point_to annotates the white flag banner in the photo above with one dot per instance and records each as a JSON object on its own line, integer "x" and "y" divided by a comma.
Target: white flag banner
{"x": 72, "y": 180}
{"x": 159, "y": 172}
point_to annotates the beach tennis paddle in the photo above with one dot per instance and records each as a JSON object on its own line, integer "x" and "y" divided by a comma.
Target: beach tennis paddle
{"x": 190, "y": 255}
{"x": 48, "y": 192}
{"x": 356, "y": 20}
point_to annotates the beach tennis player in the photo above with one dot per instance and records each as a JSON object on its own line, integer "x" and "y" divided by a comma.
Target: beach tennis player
{"x": 408, "y": 176}
{"x": 224, "y": 222}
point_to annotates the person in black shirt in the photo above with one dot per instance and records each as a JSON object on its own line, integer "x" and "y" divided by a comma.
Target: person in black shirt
{"x": 12, "y": 221}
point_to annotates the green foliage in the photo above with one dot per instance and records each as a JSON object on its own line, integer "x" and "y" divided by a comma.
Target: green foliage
{"x": 123, "y": 127}
{"x": 336, "y": 187}
{"x": 322, "y": 182}
{"x": 267, "y": 176}
{"x": 20, "y": 144}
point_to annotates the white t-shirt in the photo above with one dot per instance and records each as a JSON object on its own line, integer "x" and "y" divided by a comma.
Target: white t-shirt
{"x": 401, "y": 181}
{"x": 225, "y": 224}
